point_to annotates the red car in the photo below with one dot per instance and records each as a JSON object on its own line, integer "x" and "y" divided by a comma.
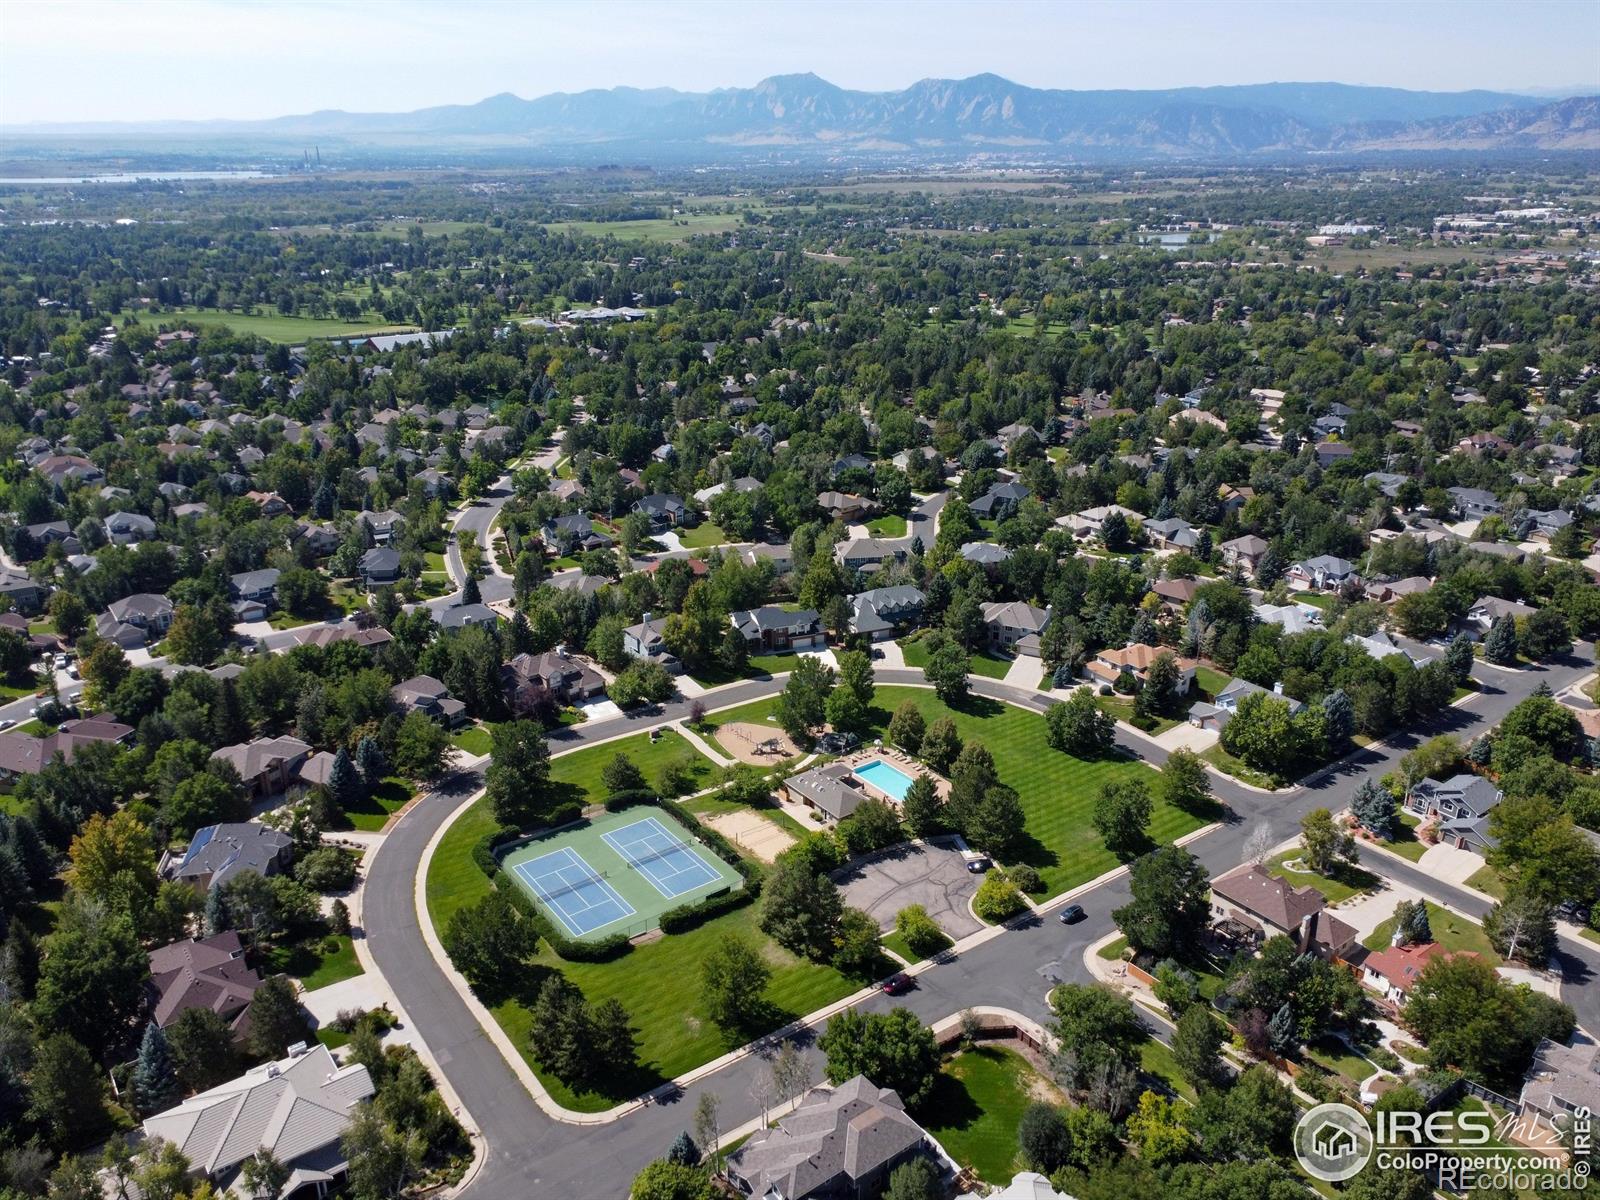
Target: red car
{"x": 896, "y": 984}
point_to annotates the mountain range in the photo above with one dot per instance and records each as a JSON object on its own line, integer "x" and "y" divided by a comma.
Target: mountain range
{"x": 806, "y": 115}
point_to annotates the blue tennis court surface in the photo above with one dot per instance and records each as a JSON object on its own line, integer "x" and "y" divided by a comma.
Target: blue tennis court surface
{"x": 574, "y": 891}
{"x": 666, "y": 860}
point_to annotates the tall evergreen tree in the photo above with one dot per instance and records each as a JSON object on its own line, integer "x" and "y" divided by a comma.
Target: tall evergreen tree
{"x": 344, "y": 784}
{"x": 155, "y": 1074}
{"x": 217, "y": 919}
{"x": 1500, "y": 646}
{"x": 470, "y": 593}
{"x": 371, "y": 762}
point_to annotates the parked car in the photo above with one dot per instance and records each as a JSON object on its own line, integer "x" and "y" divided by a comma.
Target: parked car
{"x": 1072, "y": 914}
{"x": 897, "y": 984}
{"x": 838, "y": 743}
{"x": 6, "y": 723}
{"x": 978, "y": 865}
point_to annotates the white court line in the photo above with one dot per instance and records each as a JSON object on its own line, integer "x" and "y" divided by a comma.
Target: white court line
{"x": 571, "y": 860}
{"x": 703, "y": 872}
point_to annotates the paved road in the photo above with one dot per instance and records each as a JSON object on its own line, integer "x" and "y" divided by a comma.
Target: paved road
{"x": 530, "y": 1154}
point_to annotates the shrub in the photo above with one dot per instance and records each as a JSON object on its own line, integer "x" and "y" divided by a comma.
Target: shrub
{"x": 1025, "y": 877}
{"x": 920, "y": 930}
{"x": 997, "y": 899}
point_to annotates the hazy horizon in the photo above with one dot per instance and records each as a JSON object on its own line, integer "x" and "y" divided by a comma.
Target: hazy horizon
{"x": 162, "y": 60}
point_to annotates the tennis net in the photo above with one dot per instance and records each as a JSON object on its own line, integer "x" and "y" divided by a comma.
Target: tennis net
{"x": 635, "y": 859}
{"x": 547, "y": 893}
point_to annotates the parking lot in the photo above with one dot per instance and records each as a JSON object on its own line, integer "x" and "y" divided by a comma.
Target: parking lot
{"x": 935, "y": 877}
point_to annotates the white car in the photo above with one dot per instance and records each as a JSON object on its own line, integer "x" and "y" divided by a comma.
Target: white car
{"x": 6, "y": 723}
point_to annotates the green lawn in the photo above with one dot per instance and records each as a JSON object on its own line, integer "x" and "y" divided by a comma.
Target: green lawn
{"x": 316, "y": 962}
{"x": 1112, "y": 950}
{"x": 1155, "y": 1060}
{"x": 474, "y": 740}
{"x": 890, "y": 525}
{"x": 986, "y": 663}
{"x": 1229, "y": 765}
{"x": 1334, "y": 1055}
{"x": 899, "y": 945}
{"x": 1120, "y": 708}
{"x": 270, "y": 325}
{"x": 1350, "y": 881}
{"x": 1488, "y": 881}
{"x": 1209, "y": 681}
{"x": 662, "y": 229}
{"x": 386, "y": 799}
{"x": 976, "y": 1105}
{"x": 707, "y": 533}
{"x": 1450, "y": 931}
{"x": 1320, "y": 600}
{"x": 1405, "y": 842}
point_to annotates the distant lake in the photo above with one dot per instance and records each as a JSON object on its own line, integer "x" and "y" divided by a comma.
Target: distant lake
{"x": 134, "y": 177}
{"x": 1171, "y": 241}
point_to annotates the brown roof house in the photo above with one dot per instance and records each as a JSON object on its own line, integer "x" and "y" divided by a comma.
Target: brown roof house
{"x": 22, "y": 754}
{"x": 1394, "y": 969}
{"x": 426, "y": 695}
{"x": 569, "y": 680}
{"x": 839, "y": 1144}
{"x": 1263, "y": 903}
{"x": 204, "y": 973}
{"x": 1108, "y": 666}
{"x": 268, "y": 766}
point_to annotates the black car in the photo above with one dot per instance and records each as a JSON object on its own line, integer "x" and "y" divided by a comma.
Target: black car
{"x": 1072, "y": 914}
{"x": 977, "y": 865}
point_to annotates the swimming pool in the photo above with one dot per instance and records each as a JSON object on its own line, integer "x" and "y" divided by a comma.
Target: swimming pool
{"x": 888, "y": 779}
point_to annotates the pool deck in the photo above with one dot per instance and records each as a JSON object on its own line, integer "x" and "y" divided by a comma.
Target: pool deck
{"x": 897, "y": 760}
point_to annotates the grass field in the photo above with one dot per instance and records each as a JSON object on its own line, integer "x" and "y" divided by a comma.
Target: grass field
{"x": 1488, "y": 881}
{"x": 707, "y": 533}
{"x": 1229, "y": 765}
{"x": 673, "y": 229}
{"x": 990, "y": 665}
{"x": 271, "y": 326}
{"x": 900, "y": 946}
{"x": 1333, "y": 1054}
{"x": 386, "y": 799}
{"x": 1450, "y": 931}
{"x": 976, "y": 1105}
{"x": 318, "y": 962}
{"x": 632, "y": 884}
{"x": 1156, "y": 1061}
{"x": 890, "y": 525}
{"x": 474, "y": 740}
{"x": 1405, "y": 842}
{"x": 1350, "y": 881}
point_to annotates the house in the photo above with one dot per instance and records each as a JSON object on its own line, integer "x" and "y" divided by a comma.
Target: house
{"x": 1000, "y": 501}
{"x": 1475, "y": 503}
{"x": 321, "y": 539}
{"x": 566, "y": 678}
{"x": 571, "y": 533}
{"x": 1175, "y": 593}
{"x": 1110, "y": 665}
{"x": 270, "y": 503}
{"x": 1013, "y": 625}
{"x": 460, "y": 616}
{"x": 1489, "y": 609}
{"x": 1225, "y": 705}
{"x": 1010, "y": 435}
{"x": 925, "y": 455}
{"x": 123, "y": 528}
{"x": 866, "y": 555}
{"x": 22, "y": 754}
{"x": 1393, "y": 971}
{"x": 327, "y": 635}
{"x": 26, "y": 596}
{"x": 881, "y": 613}
{"x": 1332, "y": 453}
{"x": 382, "y": 525}
{"x": 46, "y": 533}
{"x": 780, "y": 556}
{"x": 1244, "y": 552}
{"x": 426, "y": 695}
{"x": 1172, "y": 533}
{"x": 1386, "y": 482}
{"x": 1324, "y": 573}
{"x": 1258, "y": 901}
{"x": 260, "y": 586}
{"x": 1563, "y": 1080}
{"x": 842, "y": 506}
{"x": 1546, "y": 522}
{"x": 143, "y": 610}
{"x": 379, "y": 566}
{"x": 268, "y": 766}
{"x": 1380, "y": 646}
{"x": 61, "y": 469}
{"x": 219, "y": 852}
{"x": 1089, "y": 522}
{"x": 985, "y": 554}
{"x": 1028, "y": 1185}
{"x": 645, "y": 640}
{"x": 773, "y": 630}
{"x": 1391, "y": 590}
{"x": 1234, "y": 498}
{"x": 204, "y": 973}
{"x": 1480, "y": 444}
{"x": 839, "y": 1144}
{"x": 664, "y": 511}
{"x": 1460, "y": 805}
{"x": 578, "y": 581}
{"x": 295, "y": 1109}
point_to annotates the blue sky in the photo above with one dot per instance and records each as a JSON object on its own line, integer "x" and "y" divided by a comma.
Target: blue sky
{"x": 88, "y": 60}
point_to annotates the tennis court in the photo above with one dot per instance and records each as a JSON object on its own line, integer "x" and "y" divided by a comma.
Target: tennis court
{"x": 574, "y": 892}
{"x": 617, "y": 873}
{"x": 650, "y": 848}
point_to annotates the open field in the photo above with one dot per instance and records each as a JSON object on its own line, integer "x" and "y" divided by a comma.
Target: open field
{"x": 271, "y": 326}
{"x": 985, "y": 663}
{"x": 977, "y": 1104}
{"x": 674, "y": 229}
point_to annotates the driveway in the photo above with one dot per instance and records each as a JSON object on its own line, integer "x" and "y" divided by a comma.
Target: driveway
{"x": 935, "y": 877}
{"x": 1449, "y": 863}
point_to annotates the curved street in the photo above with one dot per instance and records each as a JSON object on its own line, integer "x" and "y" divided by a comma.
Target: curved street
{"x": 530, "y": 1154}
